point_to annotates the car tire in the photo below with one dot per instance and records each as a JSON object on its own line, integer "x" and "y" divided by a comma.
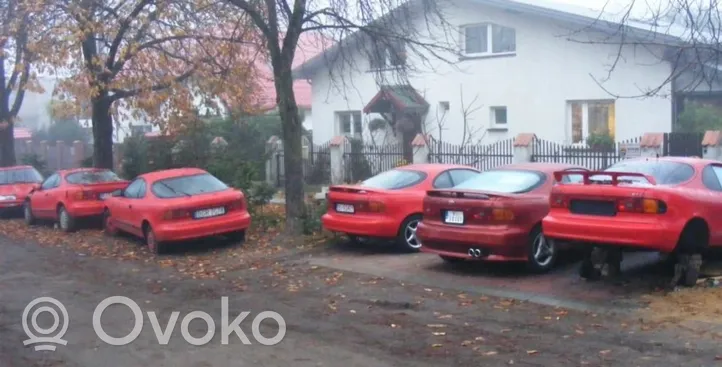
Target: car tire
{"x": 66, "y": 222}
{"x": 542, "y": 252}
{"x": 154, "y": 246}
{"x": 588, "y": 271}
{"x": 237, "y": 237}
{"x": 109, "y": 229}
{"x": 406, "y": 237}
{"x": 28, "y": 213}
{"x": 451, "y": 259}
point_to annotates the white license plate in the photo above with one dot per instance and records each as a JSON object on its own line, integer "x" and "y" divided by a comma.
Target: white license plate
{"x": 454, "y": 217}
{"x": 345, "y": 208}
{"x": 104, "y": 196}
{"x": 207, "y": 213}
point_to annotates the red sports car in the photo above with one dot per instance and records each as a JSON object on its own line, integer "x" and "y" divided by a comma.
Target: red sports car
{"x": 15, "y": 185}
{"x": 389, "y": 205}
{"x": 494, "y": 216}
{"x": 671, "y": 205}
{"x": 176, "y": 205}
{"x": 68, "y": 195}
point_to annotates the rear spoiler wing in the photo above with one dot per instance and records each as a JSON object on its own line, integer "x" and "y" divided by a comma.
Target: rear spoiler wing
{"x": 351, "y": 189}
{"x": 614, "y": 175}
{"x": 451, "y": 193}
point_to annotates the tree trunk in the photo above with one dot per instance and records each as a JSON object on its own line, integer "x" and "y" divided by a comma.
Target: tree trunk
{"x": 7, "y": 145}
{"x": 292, "y": 151}
{"x": 102, "y": 132}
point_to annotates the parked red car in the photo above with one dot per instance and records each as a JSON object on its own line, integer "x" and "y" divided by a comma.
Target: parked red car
{"x": 671, "y": 205}
{"x": 68, "y": 195}
{"x": 494, "y": 216}
{"x": 15, "y": 184}
{"x": 176, "y": 205}
{"x": 389, "y": 205}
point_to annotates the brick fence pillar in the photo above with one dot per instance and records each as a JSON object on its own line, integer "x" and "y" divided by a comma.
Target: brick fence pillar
{"x": 523, "y": 147}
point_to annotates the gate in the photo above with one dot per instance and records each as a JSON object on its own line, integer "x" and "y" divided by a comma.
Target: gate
{"x": 680, "y": 144}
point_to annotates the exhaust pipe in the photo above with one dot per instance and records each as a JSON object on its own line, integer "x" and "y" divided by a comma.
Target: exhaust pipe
{"x": 475, "y": 252}
{"x": 471, "y": 252}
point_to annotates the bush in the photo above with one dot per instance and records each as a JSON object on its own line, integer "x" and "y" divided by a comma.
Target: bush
{"x": 37, "y": 162}
{"x": 311, "y": 220}
{"x": 697, "y": 117}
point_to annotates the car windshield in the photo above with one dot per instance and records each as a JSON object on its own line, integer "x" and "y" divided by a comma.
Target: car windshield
{"x": 92, "y": 177}
{"x": 664, "y": 172}
{"x": 395, "y": 179}
{"x": 188, "y": 186}
{"x": 20, "y": 175}
{"x": 503, "y": 181}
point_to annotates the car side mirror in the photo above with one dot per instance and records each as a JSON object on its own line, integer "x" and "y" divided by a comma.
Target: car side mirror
{"x": 117, "y": 193}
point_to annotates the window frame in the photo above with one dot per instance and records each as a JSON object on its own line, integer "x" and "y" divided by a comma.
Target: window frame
{"x": 53, "y": 181}
{"x": 142, "y": 185}
{"x": 352, "y": 125}
{"x": 494, "y": 124}
{"x": 709, "y": 169}
{"x": 489, "y": 40}
{"x": 382, "y": 53}
{"x": 585, "y": 103}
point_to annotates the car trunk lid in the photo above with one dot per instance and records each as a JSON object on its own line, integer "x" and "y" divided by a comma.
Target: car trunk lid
{"x": 353, "y": 199}
{"x": 462, "y": 207}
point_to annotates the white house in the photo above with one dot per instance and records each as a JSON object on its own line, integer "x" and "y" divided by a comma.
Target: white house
{"x": 524, "y": 71}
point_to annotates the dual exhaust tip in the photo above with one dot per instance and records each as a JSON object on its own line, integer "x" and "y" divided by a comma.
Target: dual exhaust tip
{"x": 475, "y": 252}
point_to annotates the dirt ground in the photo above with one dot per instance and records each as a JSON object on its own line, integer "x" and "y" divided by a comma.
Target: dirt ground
{"x": 334, "y": 317}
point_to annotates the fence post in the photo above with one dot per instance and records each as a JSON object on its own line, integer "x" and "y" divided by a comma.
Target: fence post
{"x": 420, "y": 150}
{"x": 79, "y": 152}
{"x": 60, "y": 154}
{"x": 523, "y": 147}
{"x": 711, "y": 145}
{"x": 337, "y": 149}
{"x": 271, "y": 160}
{"x": 651, "y": 144}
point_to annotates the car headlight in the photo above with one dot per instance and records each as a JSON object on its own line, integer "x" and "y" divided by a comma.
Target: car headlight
{"x": 7, "y": 197}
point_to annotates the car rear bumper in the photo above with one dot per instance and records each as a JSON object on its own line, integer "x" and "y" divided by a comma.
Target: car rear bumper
{"x": 85, "y": 209}
{"x": 194, "y": 229}
{"x": 653, "y": 234}
{"x": 361, "y": 225}
{"x": 499, "y": 243}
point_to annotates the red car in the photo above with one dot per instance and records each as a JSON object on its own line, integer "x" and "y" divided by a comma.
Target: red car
{"x": 177, "y": 205}
{"x": 670, "y": 205}
{"x": 494, "y": 216}
{"x": 68, "y": 195}
{"x": 389, "y": 205}
{"x": 15, "y": 185}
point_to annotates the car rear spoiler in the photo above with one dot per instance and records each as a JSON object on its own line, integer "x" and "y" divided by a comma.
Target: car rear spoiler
{"x": 614, "y": 175}
{"x": 466, "y": 194}
{"x": 352, "y": 189}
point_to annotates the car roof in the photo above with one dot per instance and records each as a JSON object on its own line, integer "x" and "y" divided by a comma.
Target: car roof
{"x": 434, "y": 168}
{"x": 15, "y": 167}
{"x": 694, "y": 161}
{"x": 65, "y": 172}
{"x": 171, "y": 173}
{"x": 541, "y": 166}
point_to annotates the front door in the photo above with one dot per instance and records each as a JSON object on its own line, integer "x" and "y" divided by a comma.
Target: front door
{"x": 42, "y": 200}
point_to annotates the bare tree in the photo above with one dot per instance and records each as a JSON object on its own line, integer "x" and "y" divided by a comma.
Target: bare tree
{"x": 373, "y": 27}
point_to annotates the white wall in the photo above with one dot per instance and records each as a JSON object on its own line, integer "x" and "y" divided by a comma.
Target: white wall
{"x": 535, "y": 84}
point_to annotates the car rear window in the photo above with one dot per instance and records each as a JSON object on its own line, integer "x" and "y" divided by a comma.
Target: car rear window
{"x": 395, "y": 179}
{"x": 21, "y": 175}
{"x": 664, "y": 172}
{"x": 188, "y": 186}
{"x": 92, "y": 177}
{"x": 504, "y": 181}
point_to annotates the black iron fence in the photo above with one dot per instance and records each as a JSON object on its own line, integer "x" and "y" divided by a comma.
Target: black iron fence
{"x": 483, "y": 157}
{"x": 595, "y": 158}
{"x": 683, "y": 144}
{"x": 316, "y": 166}
{"x": 362, "y": 161}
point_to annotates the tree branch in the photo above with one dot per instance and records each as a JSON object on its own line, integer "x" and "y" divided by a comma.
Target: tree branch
{"x": 123, "y": 28}
{"x": 125, "y": 93}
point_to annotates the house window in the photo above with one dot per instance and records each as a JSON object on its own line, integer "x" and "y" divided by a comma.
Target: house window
{"x": 498, "y": 116}
{"x": 489, "y": 39}
{"x": 591, "y": 117}
{"x": 350, "y": 123}
{"x": 388, "y": 55}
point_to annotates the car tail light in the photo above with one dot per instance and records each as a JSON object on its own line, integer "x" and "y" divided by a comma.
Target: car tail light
{"x": 239, "y": 204}
{"x": 498, "y": 215}
{"x": 176, "y": 214}
{"x": 558, "y": 201}
{"x": 640, "y": 205}
{"x": 371, "y": 207}
{"x": 85, "y": 195}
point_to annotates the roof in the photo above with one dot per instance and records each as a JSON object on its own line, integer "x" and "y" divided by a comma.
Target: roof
{"x": 585, "y": 17}
{"x": 171, "y": 173}
{"x": 401, "y": 97}
{"x": 21, "y": 133}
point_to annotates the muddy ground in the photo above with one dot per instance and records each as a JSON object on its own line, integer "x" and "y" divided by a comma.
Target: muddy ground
{"x": 334, "y": 316}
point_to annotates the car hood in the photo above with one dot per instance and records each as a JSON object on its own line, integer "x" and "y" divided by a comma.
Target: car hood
{"x": 20, "y": 190}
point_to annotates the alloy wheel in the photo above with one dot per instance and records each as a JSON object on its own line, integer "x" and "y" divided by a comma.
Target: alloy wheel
{"x": 410, "y": 235}
{"x": 543, "y": 250}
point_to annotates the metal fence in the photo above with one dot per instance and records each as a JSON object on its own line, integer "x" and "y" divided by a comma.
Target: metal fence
{"x": 483, "y": 157}
{"x": 316, "y": 166}
{"x": 362, "y": 161}
{"x": 596, "y": 158}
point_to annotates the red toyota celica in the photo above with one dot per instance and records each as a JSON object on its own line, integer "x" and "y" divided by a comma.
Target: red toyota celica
{"x": 389, "y": 205}
{"x": 15, "y": 184}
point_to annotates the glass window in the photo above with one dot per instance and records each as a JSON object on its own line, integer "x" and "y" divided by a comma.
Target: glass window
{"x": 395, "y": 179}
{"x": 476, "y": 39}
{"x": 349, "y": 122}
{"x": 498, "y": 115}
{"x": 712, "y": 177}
{"x": 461, "y": 175}
{"x": 133, "y": 189}
{"x": 591, "y": 118}
{"x": 504, "y": 181}
{"x": 51, "y": 182}
{"x": 664, "y": 172}
{"x": 187, "y": 186}
{"x": 443, "y": 181}
{"x": 503, "y": 39}
{"x": 143, "y": 188}
{"x": 20, "y": 175}
{"x": 92, "y": 177}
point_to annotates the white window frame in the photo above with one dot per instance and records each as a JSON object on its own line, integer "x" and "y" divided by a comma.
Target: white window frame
{"x": 489, "y": 40}
{"x": 386, "y": 53}
{"x": 585, "y": 118}
{"x": 339, "y": 123}
{"x": 492, "y": 116}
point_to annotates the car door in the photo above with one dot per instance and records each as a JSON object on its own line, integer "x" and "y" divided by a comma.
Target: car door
{"x": 121, "y": 212}
{"x": 42, "y": 200}
{"x": 136, "y": 207}
{"x": 712, "y": 180}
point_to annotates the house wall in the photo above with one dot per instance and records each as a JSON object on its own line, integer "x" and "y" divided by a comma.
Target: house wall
{"x": 547, "y": 71}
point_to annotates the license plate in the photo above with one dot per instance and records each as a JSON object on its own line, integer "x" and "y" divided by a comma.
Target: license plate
{"x": 207, "y": 213}
{"x": 453, "y": 217}
{"x": 104, "y": 196}
{"x": 345, "y": 208}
